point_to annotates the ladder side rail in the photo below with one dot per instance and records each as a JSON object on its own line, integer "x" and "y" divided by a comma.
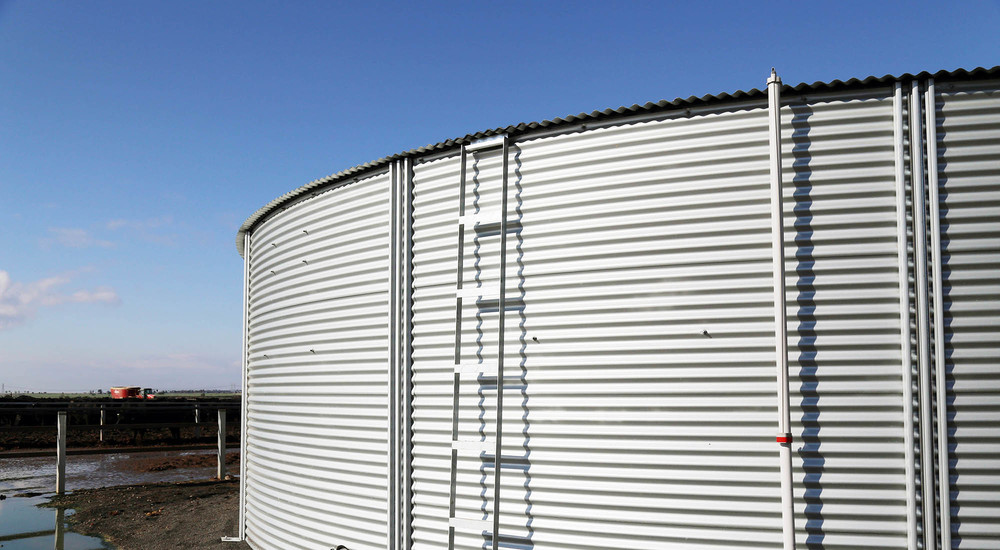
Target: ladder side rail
{"x": 500, "y": 341}
{"x": 458, "y": 353}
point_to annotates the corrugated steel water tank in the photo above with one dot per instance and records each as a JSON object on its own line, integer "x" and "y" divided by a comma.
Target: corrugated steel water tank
{"x": 640, "y": 401}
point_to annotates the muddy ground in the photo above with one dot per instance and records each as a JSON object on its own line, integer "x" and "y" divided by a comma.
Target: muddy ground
{"x": 158, "y": 516}
{"x": 159, "y": 464}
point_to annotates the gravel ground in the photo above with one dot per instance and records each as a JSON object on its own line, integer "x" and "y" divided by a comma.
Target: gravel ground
{"x": 158, "y": 516}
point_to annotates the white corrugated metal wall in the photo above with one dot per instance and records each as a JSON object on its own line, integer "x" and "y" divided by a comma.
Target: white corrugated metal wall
{"x": 843, "y": 306}
{"x": 317, "y": 419}
{"x": 968, "y": 148}
{"x": 645, "y": 341}
{"x": 645, "y": 411}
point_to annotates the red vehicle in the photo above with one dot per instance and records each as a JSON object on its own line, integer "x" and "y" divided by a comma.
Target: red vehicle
{"x": 124, "y": 392}
{"x": 131, "y": 392}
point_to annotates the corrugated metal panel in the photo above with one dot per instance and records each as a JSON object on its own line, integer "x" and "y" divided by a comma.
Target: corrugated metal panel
{"x": 642, "y": 408}
{"x": 968, "y": 137}
{"x": 645, "y": 345}
{"x": 317, "y": 426}
{"x": 596, "y": 116}
{"x": 843, "y": 299}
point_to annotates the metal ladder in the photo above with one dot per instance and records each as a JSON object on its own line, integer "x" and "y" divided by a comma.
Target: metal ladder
{"x": 488, "y": 451}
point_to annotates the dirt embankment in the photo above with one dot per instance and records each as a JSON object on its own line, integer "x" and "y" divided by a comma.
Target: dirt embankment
{"x": 28, "y": 422}
{"x": 86, "y": 439}
{"x": 158, "y": 516}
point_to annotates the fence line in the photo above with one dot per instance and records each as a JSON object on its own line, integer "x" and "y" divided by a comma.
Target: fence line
{"x": 11, "y": 414}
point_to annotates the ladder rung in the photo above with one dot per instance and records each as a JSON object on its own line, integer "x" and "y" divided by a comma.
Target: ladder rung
{"x": 486, "y": 296}
{"x": 474, "y": 445}
{"x": 474, "y": 219}
{"x": 475, "y": 292}
{"x": 487, "y": 373}
{"x": 472, "y": 369}
{"x": 494, "y": 304}
{"x": 489, "y": 447}
{"x": 485, "y": 143}
{"x": 484, "y": 225}
{"x": 508, "y": 462}
{"x": 470, "y": 524}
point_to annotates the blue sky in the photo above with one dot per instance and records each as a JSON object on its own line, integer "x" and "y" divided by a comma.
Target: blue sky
{"x": 136, "y": 137}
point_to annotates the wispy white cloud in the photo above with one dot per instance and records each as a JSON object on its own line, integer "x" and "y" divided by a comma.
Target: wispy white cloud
{"x": 73, "y": 237}
{"x": 20, "y": 301}
{"x": 149, "y": 229}
{"x": 140, "y": 225}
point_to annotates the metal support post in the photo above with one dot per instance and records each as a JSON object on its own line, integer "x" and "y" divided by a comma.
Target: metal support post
{"x": 923, "y": 311}
{"x": 906, "y": 365}
{"x": 222, "y": 444}
{"x": 407, "y": 419}
{"x": 784, "y": 437}
{"x": 102, "y": 423}
{"x": 61, "y": 453}
{"x": 392, "y": 481}
{"x": 197, "y": 420}
{"x": 937, "y": 282}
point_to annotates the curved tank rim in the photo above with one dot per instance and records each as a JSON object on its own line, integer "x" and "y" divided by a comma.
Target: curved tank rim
{"x": 978, "y": 73}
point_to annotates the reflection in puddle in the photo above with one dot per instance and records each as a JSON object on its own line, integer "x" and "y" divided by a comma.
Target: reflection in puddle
{"x": 26, "y": 526}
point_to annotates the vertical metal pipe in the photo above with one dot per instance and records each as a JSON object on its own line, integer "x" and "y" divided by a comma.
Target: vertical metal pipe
{"x": 244, "y": 397}
{"x": 407, "y": 350}
{"x": 784, "y": 438}
{"x": 923, "y": 330}
{"x": 221, "y": 473}
{"x": 61, "y": 452}
{"x": 394, "y": 363}
{"x": 103, "y": 419}
{"x": 390, "y": 501}
{"x": 937, "y": 281}
{"x": 904, "y": 318}
{"x": 502, "y": 304}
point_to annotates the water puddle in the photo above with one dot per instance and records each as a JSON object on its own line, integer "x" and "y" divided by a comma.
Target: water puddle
{"x": 26, "y": 526}
{"x": 38, "y": 474}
